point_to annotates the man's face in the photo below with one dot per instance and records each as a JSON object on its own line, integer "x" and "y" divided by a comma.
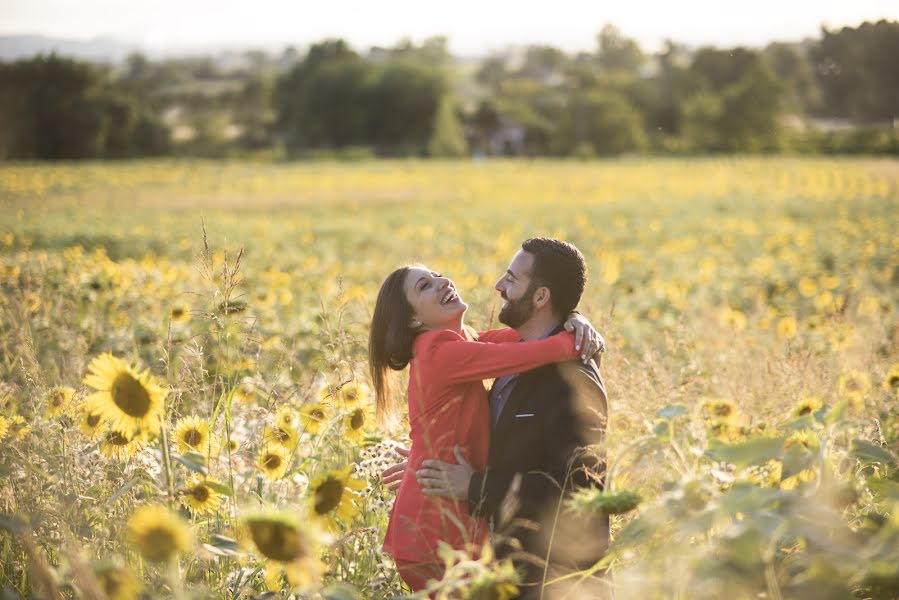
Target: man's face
{"x": 517, "y": 289}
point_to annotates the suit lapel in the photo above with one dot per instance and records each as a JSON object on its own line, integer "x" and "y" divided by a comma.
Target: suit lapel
{"x": 522, "y": 387}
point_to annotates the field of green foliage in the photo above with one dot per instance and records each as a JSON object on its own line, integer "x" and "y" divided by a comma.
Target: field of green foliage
{"x": 184, "y": 403}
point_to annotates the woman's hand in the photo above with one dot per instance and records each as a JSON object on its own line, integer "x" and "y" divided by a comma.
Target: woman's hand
{"x": 587, "y": 340}
{"x": 392, "y": 476}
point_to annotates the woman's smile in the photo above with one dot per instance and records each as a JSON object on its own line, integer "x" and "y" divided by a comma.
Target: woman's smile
{"x": 450, "y": 296}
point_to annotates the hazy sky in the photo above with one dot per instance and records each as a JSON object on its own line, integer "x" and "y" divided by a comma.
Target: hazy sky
{"x": 473, "y": 26}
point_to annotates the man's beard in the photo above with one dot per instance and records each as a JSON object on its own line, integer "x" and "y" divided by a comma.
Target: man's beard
{"x": 518, "y": 312}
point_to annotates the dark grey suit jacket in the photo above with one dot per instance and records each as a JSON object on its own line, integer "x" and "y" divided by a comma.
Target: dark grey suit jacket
{"x": 539, "y": 453}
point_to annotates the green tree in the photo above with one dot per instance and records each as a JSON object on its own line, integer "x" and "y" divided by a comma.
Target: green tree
{"x": 303, "y": 96}
{"x": 617, "y": 52}
{"x": 58, "y": 108}
{"x": 720, "y": 68}
{"x": 447, "y": 140}
{"x": 254, "y": 113}
{"x": 666, "y": 94}
{"x": 402, "y": 104}
{"x": 702, "y": 115}
{"x": 603, "y": 121}
{"x": 745, "y": 117}
{"x": 791, "y": 64}
{"x": 485, "y": 122}
{"x": 858, "y": 73}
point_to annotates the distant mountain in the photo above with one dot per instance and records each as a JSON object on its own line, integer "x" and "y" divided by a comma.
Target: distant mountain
{"x": 101, "y": 49}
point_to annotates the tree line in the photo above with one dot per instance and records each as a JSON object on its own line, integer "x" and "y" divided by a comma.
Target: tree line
{"x": 836, "y": 93}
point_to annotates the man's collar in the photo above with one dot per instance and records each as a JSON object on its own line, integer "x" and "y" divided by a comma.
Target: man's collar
{"x": 557, "y": 328}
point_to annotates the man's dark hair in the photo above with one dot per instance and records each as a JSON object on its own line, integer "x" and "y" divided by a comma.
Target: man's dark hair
{"x": 559, "y": 266}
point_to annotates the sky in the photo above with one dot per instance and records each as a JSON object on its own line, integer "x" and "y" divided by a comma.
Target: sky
{"x": 474, "y": 27}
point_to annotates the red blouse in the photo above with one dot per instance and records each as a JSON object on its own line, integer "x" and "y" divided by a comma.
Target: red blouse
{"x": 448, "y": 406}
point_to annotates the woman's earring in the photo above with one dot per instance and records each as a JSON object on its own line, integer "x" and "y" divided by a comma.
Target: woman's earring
{"x": 416, "y": 324}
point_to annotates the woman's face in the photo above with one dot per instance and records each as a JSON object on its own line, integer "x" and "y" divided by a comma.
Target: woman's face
{"x": 435, "y": 302}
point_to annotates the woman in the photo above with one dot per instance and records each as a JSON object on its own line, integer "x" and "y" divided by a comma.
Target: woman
{"x": 418, "y": 320}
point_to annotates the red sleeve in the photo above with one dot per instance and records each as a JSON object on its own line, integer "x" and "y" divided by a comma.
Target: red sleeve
{"x": 455, "y": 359}
{"x": 496, "y": 336}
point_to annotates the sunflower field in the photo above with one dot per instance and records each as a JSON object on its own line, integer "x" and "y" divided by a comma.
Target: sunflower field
{"x": 185, "y": 409}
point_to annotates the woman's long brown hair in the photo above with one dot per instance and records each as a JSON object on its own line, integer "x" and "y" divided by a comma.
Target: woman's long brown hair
{"x": 391, "y": 338}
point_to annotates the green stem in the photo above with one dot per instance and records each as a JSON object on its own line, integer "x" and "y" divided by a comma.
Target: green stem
{"x": 175, "y": 582}
{"x": 167, "y": 463}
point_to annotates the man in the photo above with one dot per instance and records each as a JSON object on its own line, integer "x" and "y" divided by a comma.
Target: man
{"x": 545, "y": 422}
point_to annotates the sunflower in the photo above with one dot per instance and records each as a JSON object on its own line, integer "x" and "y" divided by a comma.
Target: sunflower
{"x": 732, "y": 319}
{"x": 485, "y": 577}
{"x": 247, "y": 363}
{"x": 245, "y": 392}
{"x": 90, "y": 423}
{"x": 840, "y": 339}
{"x": 787, "y": 328}
{"x": 355, "y": 423}
{"x": 724, "y": 431}
{"x": 824, "y": 302}
{"x": 314, "y": 416}
{"x": 766, "y": 475}
{"x": 158, "y": 533}
{"x": 803, "y": 476}
{"x": 129, "y": 401}
{"x": 331, "y": 496}
{"x": 891, "y": 381}
{"x": 324, "y": 393}
{"x": 353, "y": 393}
{"x": 58, "y": 400}
{"x": 192, "y": 434}
{"x": 199, "y": 497}
{"x": 17, "y": 427}
{"x": 807, "y": 406}
{"x": 33, "y": 302}
{"x": 282, "y": 436}
{"x": 805, "y": 438}
{"x": 499, "y": 583}
{"x": 119, "y": 446}
{"x": 720, "y": 409}
{"x": 854, "y": 385}
{"x": 119, "y": 583}
{"x": 4, "y": 426}
{"x": 179, "y": 314}
{"x": 808, "y": 287}
{"x": 233, "y": 446}
{"x": 286, "y": 543}
{"x": 273, "y": 460}
{"x": 286, "y": 417}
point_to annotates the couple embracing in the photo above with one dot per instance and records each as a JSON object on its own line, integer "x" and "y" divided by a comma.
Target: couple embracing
{"x": 495, "y": 466}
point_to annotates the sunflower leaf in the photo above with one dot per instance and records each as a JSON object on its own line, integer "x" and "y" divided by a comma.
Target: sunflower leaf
{"x": 795, "y": 460}
{"x": 12, "y": 523}
{"x": 193, "y": 461}
{"x": 222, "y": 546}
{"x": 884, "y": 488}
{"x": 836, "y": 413}
{"x": 866, "y": 452}
{"x": 670, "y": 411}
{"x": 798, "y": 424}
{"x": 122, "y": 490}
{"x": 747, "y": 453}
{"x": 221, "y": 488}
